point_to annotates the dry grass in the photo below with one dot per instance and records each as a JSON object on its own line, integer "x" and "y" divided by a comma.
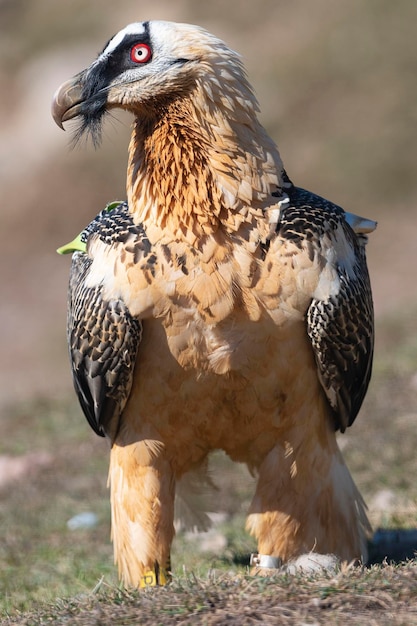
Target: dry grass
{"x": 380, "y": 596}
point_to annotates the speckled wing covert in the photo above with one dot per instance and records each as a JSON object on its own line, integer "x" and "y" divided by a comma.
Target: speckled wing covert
{"x": 340, "y": 326}
{"x": 103, "y": 337}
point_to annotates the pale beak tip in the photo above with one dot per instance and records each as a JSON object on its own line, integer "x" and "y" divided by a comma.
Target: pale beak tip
{"x": 65, "y": 101}
{"x": 59, "y": 123}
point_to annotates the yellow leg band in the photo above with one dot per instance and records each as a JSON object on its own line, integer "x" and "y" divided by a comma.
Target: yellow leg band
{"x": 156, "y": 577}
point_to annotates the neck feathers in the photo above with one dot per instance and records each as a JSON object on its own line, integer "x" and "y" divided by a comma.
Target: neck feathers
{"x": 203, "y": 163}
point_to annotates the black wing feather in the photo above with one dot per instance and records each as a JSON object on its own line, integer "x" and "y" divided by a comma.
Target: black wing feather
{"x": 340, "y": 328}
{"x": 103, "y": 337}
{"x": 103, "y": 340}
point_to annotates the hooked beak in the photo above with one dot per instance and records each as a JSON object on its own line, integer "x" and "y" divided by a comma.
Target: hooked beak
{"x": 67, "y": 100}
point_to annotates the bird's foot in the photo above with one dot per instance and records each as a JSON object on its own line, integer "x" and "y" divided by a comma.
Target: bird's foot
{"x": 309, "y": 564}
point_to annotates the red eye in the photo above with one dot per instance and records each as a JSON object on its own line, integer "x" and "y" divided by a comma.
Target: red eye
{"x": 141, "y": 53}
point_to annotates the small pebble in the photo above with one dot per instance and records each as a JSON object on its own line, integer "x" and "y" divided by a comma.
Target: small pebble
{"x": 83, "y": 520}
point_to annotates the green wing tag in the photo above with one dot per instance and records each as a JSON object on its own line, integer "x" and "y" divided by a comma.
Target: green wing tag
{"x": 76, "y": 245}
{"x": 113, "y": 205}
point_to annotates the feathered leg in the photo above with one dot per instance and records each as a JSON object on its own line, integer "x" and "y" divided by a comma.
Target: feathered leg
{"x": 142, "y": 504}
{"x": 306, "y": 499}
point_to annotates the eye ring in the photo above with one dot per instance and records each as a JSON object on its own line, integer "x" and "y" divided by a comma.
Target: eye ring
{"x": 141, "y": 53}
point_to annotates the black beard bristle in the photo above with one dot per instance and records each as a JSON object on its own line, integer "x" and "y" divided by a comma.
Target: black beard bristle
{"x": 89, "y": 127}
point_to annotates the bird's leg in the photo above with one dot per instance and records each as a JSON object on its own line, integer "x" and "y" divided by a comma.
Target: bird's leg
{"x": 142, "y": 502}
{"x": 307, "y": 501}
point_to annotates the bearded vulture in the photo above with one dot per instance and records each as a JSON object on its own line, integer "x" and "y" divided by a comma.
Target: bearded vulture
{"x": 220, "y": 307}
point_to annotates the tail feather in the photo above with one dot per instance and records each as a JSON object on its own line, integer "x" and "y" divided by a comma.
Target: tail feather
{"x": 194, "y": 497}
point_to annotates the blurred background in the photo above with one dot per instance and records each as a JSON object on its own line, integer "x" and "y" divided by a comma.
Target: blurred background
{"x": 337, "y": 85}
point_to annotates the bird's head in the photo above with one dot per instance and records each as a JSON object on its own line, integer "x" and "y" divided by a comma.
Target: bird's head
{"x": 145, "y": 67}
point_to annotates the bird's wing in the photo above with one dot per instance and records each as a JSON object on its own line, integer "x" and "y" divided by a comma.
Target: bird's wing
{"x": 340, "y": 321}
{"x": 103, "y": 337}
{"x": 341, "y": 331}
